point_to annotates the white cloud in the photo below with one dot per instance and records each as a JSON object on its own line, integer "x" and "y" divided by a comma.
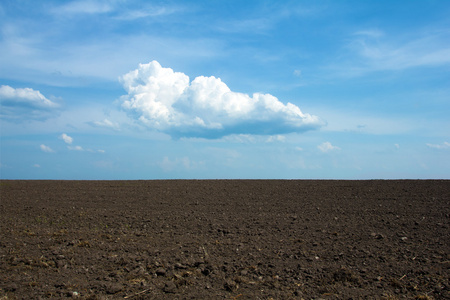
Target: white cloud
{"x": 76, "y": 148}
{"x": 25, "y": 96}
{"x": 67, "y": 139}
{"x": 327, "y": 147}
{"x": 445, "y": 145}
{"x": 24, "y": 103}
{"x": 36, "y": 166}
{"x": 148, "y": 11}
{"x": 46, "y": 148}
{"x": 106, "y": 124}
{"x": 166, "y": 101}
{"x": 397, "y": 146}
{"x": 276, "y": 138}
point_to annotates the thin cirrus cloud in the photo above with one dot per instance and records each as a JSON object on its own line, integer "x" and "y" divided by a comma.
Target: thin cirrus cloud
{"x": 82, "y": 7}
{"x": 445, "y": 145}
{"x": 149, "y": 11}
{"x": 381, "y": 52}
{"x": 327, "y": 147}
{"x": 105, "y": 123}
{"x": 116, "y": 9}
{"x": 168, "y": 102}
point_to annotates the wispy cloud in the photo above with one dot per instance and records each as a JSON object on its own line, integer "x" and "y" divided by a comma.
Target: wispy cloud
{"x": 69, "y": 140}
{"x": 167, "y": 101}
{"x": 105, "y": 123}
{"x": 267, "y": 17}
{"x": 75, "y": 148}
{"x": 46, "y": 148}
{"x": 370, "y": 33}
{"x": 444, "y": 145}
{"x": 378, "y": 51}
{"x": 19, "y": 56}
{"x": 327, "y": 147}
{"x": 83, "y": 7}
{"x": 256, "y": 25}
{"x": 150, "y": 11}
{"x": 276, "y": 138}
{"x": 117, "y": 9}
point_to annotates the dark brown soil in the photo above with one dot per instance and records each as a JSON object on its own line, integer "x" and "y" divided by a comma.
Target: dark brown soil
{"x": 225, "y": 239}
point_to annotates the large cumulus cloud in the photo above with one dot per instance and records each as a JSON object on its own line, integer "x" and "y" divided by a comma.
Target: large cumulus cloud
{"x": 168, "y": 102}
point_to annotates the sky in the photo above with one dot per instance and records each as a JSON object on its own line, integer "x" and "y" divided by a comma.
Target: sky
{"x": 224, "y": 89}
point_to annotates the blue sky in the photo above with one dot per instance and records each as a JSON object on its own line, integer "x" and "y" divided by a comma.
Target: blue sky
{"x": 224, "y": 89}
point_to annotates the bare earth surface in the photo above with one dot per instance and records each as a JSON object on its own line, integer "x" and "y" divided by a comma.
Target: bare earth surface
{"x": 225, "y": 239}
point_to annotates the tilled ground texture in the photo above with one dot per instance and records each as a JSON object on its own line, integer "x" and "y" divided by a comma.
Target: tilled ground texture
{"x": 225, "y": 239}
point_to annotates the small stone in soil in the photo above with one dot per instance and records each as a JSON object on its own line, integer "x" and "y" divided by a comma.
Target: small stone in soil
{"x": 170, "y": 287}
{"x": 160, "y": 272}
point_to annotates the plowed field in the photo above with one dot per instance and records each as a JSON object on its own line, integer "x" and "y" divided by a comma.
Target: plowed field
{"x": 225, "y": 239}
